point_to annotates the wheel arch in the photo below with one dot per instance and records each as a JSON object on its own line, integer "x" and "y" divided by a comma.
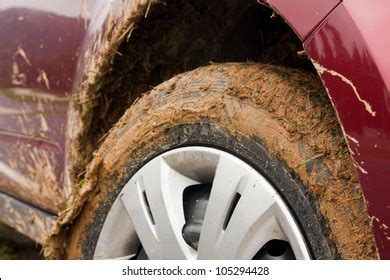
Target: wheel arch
{"x": 339, "y": 45}
{"x": 101, "y": 48}
{"x": 351, "y": 62}
{"x": 110, "y": 27}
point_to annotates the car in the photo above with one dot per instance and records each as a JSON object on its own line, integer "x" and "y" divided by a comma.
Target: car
{"x": 162, "y": 129}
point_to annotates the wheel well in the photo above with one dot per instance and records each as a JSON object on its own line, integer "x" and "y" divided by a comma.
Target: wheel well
{"x": 179, "y": 36}
{"x": 152, "y": 43}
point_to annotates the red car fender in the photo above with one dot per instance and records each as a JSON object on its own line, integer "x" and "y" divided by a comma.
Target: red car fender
{"x": 349, "y": 50}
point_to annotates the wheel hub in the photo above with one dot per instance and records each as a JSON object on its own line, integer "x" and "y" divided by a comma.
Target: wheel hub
{"x": 195, "y": 200}
{"x": 200, "y": 203}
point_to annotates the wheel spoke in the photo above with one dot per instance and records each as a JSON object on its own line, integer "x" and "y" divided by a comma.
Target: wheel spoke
{"x": 240, "y": 216}
{"x": 118, "y": 239}
{"x": 229, "y": 178}
{"x": 252, "y": 225}
{"x": 129, "y": 257}
{"x": 154, "y": 204}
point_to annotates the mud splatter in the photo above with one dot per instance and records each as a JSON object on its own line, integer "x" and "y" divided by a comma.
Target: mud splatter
{"x": 43, "y": 79}
{"x": 86, "y": 14}
{"x": 17, "y": 78}
{"x": 353, "y": 140}
{"x": 321, "y": 69}
{"x": 359, "y": 167}
{"x": 22, "y": 53}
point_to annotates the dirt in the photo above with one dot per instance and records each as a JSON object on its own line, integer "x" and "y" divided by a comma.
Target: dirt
{"x": 160, "y": 40}
{"x": 151, "y": 41}
{"x": 300, "y": 113}
{"x": 142, "y": 50}
{"x": 14, "y": 246}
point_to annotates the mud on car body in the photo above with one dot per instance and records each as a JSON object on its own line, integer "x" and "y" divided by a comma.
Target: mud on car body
{"x": 168, "y": 129}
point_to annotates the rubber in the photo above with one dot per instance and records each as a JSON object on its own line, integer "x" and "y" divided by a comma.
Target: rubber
{"x": 204, "y": 107}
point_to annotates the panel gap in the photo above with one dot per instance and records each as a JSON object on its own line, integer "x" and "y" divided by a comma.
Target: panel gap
{"x": 148, "y": 207}
{"x": 232, "y": 207}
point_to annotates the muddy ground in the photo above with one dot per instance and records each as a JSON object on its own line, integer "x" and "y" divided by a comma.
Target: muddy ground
{"x": 14, "y": 246}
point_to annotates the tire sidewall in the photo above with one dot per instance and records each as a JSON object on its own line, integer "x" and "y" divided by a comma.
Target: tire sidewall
{"x": 201, "y": 131}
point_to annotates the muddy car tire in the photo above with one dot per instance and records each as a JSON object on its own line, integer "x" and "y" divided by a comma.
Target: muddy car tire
{"x": 277, "y": 120}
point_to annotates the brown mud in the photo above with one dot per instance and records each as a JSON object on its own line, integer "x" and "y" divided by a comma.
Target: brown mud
{"x": 287, "y": 109}
{"x": 148, "y": 42}
{"x": 153, "y": 41}
{"x": 156, "y": 40}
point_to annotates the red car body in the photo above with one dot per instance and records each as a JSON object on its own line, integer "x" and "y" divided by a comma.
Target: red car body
{"x": 44, "y": 46}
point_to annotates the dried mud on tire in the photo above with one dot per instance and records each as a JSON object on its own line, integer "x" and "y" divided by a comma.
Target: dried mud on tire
{"x": 288, "y": 110}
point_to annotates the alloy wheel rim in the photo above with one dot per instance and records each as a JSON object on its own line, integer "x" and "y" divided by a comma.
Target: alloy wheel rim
{"x": 239, "y": 216}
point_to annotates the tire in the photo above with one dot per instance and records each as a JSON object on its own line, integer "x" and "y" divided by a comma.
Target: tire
{"x": 277, "y": 120}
